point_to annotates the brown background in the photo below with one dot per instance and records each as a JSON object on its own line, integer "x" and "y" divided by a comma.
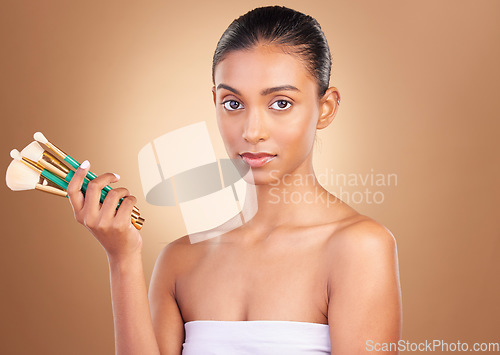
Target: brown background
{"x": 419, "y": 84}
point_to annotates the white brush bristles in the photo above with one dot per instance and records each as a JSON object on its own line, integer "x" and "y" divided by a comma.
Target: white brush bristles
{"x": 40, "y": 138}
{"x": 14, "y": 153}
{"x": 33, "y": 151}
{"x": 20, "y": 177}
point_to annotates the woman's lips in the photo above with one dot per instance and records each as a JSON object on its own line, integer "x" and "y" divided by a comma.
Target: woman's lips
{"x": 256, "y": 160}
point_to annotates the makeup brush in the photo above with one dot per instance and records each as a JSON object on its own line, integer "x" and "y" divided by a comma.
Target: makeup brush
{"x": 19, "y": 177}
{"x": 68, "y": 159}
{"x": 136, "y": 219}
{"x": 14, "y": 153}
{"x": 39, "y": 136}
{"x": 56, "y": 179}
{"x": 35, "y": 152}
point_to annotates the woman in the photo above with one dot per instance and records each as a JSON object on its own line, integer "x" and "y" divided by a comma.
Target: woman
{"x": 304, "y": 275}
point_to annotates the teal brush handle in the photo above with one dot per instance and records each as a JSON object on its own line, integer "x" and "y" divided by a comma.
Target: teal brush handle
{"x": 90, "y": 175}
{"x": 55, "y": 179}
{"x": 64, "y": 184}
{"x": 84, "y": 187}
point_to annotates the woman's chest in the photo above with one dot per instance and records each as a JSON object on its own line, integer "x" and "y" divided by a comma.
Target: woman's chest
{"x": 286, "y": 280}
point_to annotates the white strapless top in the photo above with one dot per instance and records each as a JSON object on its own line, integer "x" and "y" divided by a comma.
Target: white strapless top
{"x": 255, "y": 337}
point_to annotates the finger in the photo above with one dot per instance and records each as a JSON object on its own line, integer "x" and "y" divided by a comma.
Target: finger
{"x": 108, "y": 209}
{"x": 125, "y": 209}
{"x": 74, "y": 188}
{"x": 93, "y": 194}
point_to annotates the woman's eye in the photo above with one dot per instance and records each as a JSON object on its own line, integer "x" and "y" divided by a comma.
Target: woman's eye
{"x": 281, "y": 105}
{"x": 231, "y": 105}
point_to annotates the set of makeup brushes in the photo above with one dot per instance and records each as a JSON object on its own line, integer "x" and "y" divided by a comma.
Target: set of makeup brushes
{"x": 50, "y": 170}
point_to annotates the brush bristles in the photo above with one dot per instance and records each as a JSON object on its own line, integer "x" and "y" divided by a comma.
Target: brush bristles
{"x": 40, "y": 138}
{"x": 20, "y": 177}
{"x": 14, "y": 153}
{"x": 33, "y": 151}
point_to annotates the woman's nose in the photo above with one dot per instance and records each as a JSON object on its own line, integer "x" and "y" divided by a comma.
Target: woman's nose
{"x": 255, "y": 129}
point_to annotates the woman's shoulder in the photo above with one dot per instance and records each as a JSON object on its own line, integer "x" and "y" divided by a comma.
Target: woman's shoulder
{"x": 359, "y": 253}
{"x": 360, "y": 235}
{"x": 178, "y": 250}
{"x": 183, "y": 253}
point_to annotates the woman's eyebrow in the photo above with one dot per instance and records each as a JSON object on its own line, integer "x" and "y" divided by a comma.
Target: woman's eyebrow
{"x": 227, "y": 87}
{"x": 278, "y": 88}
{"x": 263, "y": 92}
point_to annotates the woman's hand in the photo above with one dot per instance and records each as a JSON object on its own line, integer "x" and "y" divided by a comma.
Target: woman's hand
{"x": 111, "y": 227}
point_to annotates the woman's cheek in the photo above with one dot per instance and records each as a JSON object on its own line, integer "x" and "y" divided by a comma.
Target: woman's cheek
{"x": 230, "y": 135}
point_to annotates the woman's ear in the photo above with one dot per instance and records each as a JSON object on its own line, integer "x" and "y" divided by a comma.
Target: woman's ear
{"x": 214, "y": 95}
{"x": 329, "y": 105}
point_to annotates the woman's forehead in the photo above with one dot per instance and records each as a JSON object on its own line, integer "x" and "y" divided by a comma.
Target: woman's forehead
{"x": 263, "y": 66}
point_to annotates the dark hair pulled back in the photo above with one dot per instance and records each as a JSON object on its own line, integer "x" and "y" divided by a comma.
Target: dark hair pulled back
{"x": 293, "y": 31}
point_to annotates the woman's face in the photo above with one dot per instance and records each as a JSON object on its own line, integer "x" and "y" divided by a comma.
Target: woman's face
{"x": 266, "y": 102}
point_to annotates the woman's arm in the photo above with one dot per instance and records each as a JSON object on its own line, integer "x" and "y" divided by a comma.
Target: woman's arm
{"x": 134, "y": 332}
{"x": 365, "y": 312}
{"x": 167, "y": 319}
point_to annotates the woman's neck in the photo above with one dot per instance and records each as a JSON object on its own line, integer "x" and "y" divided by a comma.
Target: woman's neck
{"x": 295, "y": 198}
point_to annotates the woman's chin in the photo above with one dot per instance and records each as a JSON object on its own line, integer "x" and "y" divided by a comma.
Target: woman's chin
{"x": 262, "y": 177}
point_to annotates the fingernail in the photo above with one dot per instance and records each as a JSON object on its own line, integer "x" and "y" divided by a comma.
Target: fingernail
{"x": 117, "y": 176}
{"x": 85, "y": 164}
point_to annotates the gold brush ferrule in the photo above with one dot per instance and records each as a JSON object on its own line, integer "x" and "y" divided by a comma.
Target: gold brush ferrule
{"x": 136, "y": 210}
{"x": 135, "y": 214}
{"x": 56, "y": 150}
{"x": 47, "y": 156}
{"x": 53, "y": 169}
{"x": 51, "y": 190}
{"x": 137, "y": 222}
{"x": 31, "y": 164}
